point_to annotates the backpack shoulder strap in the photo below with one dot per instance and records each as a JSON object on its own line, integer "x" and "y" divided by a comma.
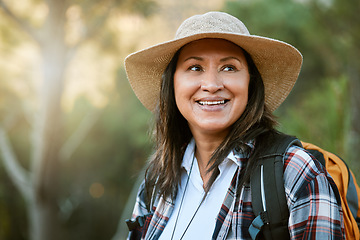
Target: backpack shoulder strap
{"x": 267, "y": 189}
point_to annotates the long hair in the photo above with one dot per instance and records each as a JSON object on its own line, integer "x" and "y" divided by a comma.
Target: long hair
{"x": 172, "y": 133}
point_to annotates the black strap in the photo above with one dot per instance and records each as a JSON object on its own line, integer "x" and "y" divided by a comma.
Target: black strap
{"x": 276, "y": 207}
{"x": 318, "y": 155}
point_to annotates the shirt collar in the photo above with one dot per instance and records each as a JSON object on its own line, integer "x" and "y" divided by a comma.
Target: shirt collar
{"x": 237, "y": 155}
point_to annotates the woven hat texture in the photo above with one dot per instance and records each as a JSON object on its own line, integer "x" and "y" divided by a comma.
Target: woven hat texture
{"x": 278, "y": 62}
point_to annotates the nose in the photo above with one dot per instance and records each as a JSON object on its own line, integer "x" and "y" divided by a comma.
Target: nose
{"x": 212, "y": 82}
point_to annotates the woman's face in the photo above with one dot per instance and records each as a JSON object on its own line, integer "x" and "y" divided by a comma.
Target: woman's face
{"x": 211, "y": 84}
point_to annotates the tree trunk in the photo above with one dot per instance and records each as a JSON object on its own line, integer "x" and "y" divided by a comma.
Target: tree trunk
{"x": 43, "y": 221}
{"x": 43, "y": 211}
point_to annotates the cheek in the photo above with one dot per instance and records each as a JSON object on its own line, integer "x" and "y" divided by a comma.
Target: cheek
{"x": 180, "y": 92}
{"x": 239, "y": 87}
{"x": 177, "y": 88}
{"x": 184, "y": 87}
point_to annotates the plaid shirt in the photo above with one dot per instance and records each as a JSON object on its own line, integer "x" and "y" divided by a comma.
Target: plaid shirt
{"x": 313, "y": 207}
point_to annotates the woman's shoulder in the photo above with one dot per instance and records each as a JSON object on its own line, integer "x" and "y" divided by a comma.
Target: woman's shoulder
{"x": 299, "y": 160}
{"x": 300, "y": 169}
{"x": 141, "y": 197}
{"x": 149, "y": 198}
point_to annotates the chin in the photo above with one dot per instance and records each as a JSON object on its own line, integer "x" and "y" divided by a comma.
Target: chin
{"x": 215, "y": 129}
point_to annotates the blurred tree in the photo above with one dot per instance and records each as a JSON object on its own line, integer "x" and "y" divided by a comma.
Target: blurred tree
{"x": 57, "y": 43}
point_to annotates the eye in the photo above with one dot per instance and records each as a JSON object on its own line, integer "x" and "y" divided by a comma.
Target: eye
{"x": 229, "y": 68}
{"x": 195, "y": 68}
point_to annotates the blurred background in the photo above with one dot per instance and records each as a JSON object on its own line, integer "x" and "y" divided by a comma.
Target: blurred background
{"x": 73, "y": 136}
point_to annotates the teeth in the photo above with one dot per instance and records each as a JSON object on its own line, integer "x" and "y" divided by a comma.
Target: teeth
{"x": 212, "y": 102}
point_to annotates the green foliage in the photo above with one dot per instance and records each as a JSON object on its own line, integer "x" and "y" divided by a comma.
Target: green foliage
{"x": 322, "y": 117}
{"x": 295, "y": 23}
{"x": 13, "y": 222}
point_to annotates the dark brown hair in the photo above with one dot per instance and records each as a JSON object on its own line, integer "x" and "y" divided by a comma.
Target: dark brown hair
{"x": 172, "y": 133}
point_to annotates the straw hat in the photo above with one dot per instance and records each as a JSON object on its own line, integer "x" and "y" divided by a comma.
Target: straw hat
{"x": 279, "y": 63}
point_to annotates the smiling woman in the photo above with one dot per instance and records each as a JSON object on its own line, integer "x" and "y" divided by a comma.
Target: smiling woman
{"x": 213, "y": 90}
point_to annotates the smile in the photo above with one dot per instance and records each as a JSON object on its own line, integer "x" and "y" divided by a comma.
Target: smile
{"x": 212, "y": 102}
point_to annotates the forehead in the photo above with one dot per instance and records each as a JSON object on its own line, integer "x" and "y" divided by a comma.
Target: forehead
{"x": 211, "y": 46}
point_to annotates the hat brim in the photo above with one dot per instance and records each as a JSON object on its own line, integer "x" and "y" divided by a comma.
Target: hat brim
{"x": 279, "y": 64}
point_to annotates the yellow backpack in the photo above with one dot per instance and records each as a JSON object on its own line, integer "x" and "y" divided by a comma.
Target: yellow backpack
{"x": 348, "y": 188}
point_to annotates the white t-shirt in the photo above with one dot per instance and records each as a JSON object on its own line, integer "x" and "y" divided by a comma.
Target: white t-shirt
{"x": 203, "y": 224}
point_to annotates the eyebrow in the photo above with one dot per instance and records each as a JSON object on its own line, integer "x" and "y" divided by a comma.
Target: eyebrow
{"x": 229, "y": 58}
{"x": 196, "y": 58}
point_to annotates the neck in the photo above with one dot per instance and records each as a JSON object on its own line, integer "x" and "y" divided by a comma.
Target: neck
{"x": 205, "y": 147}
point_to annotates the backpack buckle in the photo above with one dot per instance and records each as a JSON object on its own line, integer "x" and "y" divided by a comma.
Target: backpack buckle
{"x": 138, "y": 222}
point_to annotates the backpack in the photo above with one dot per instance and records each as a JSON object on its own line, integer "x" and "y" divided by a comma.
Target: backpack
{"x": 272, "y": 214}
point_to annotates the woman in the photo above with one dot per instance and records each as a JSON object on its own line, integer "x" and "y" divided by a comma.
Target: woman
{"x": 213, "y": 90}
